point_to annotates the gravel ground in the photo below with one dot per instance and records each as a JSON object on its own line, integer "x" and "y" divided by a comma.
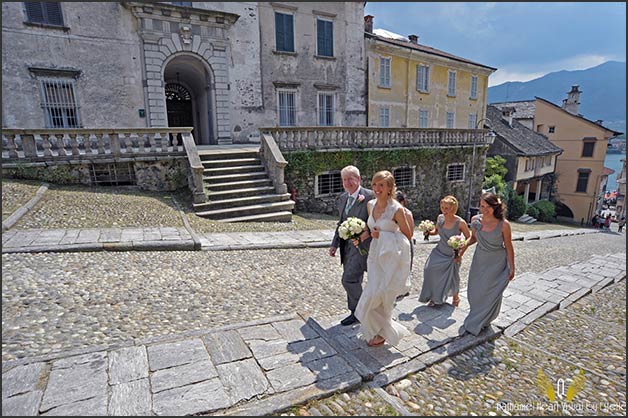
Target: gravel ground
{"x": 16, "y": 193}
{"x": 58, "y": 301}
{"x": 500, "y": 377}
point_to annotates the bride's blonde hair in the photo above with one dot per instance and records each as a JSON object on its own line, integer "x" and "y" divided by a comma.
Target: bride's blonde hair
{"x": 389, "y": 179}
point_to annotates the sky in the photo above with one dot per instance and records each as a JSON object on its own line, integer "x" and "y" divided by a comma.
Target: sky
{"x": 523, "y": 40}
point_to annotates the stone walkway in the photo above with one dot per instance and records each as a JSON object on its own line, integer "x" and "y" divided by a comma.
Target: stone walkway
{"x": 176, "y": 239}
{"x": 266, "y": 366}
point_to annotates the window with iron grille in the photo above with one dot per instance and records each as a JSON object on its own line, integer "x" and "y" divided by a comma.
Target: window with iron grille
{"x": 59, "y": 102}
{"x": 325, "y": 38}
{"x": 451, "y": 83}
{"x": 47, "y": 13}
{"x": 329, "y": 183}
{"x": 423, "y": 118}
{"x": 384, "y": 72}
{"x": 422, "y": 78}
{"x": 325, "y": 109}
{"x": 284, "y": 32}
{"x": 474, "y": 87}
{"x": 450, "y": 120}
{"x": 455, "y": 172}
{"x": 404, "y": 176}
{"x": 583, "y": 180}
{"x": 287, "y": 107}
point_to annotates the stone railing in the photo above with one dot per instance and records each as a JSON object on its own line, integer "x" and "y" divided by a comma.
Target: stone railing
{"x": 338, "y": 138}
{"x": 274, "y": 162}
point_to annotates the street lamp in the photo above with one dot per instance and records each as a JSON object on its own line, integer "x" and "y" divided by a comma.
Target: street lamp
{"x": 475, "y": 136}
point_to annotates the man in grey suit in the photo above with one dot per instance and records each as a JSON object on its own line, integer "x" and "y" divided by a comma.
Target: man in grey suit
{"x": 352, "y": 203}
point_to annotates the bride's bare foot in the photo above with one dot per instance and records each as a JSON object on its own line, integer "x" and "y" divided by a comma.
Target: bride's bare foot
{"x": 456, "y": 301}
{"x": 375, "y": 341}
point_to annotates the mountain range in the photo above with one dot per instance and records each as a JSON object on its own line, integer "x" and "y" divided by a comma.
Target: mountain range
{"x": 603, "y": 92}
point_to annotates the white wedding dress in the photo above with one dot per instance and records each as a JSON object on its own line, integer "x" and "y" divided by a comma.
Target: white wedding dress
{"x": 387, "y": 273}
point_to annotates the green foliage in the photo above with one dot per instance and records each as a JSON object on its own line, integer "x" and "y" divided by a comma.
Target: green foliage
{"x": 494, "y": 174}
{"x": 515, "y": 204}
{"x": 546, "y": 210}
{"x": 532, "y": 211}
{"x": 59, "y": 174}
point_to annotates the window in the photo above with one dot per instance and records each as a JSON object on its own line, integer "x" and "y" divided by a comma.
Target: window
{"x": 284, "y": 32}
{"x": 455, "y": 172}
{"x": 474, "y": 87}
{"x": 587, "y": 148}
{"x": 422, "y": 78}
{"x": 451, "y": 83}
{"x": 583, "y": 180}
{"x": 384, "y": 117}
{"x": 423, "y": 117}
{"x": 551, "y": 129}
{"x": 473, "y": 120}
{"x": 59, "y": 102}
{"x": 325, "y": 109}
{"x": 384, "y": 72}
{"x": 287, "y": 107}
{"x": 48, "y": 13}
{"x": 325, "y": 38}
{"x": 404, "y": 176}
{"x": 530, "y": 164}
{"x": 450, "y": 120}
{"x": 547, "y": 161}
{"x": 329, "y": 183}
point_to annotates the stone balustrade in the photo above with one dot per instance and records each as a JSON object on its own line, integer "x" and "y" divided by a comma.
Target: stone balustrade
{"x": 30, "y": 145}
{"x": 274, "y": 162}
{"x": 339, "y": 138}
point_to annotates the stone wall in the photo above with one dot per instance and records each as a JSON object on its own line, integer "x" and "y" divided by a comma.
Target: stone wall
{"x": 430, "y": 176}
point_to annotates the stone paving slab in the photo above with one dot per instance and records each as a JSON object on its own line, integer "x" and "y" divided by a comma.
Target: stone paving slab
{"x": 266, "y": 366}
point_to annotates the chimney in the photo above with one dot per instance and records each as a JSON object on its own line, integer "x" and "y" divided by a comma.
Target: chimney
{"x": 413, "y": 39}
{"x": 507, "y": 113}
{"x": 570, "y": 104}
{"x": 599, "y": 121}
{"x": 368, "y": 23}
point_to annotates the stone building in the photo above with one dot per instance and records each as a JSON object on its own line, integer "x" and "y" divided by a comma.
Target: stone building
{"x": 225, "y": 68}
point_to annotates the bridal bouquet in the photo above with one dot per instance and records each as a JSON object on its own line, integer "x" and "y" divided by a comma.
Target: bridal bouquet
{"x": 457, "y": 242}
{"x": 352, "y": 228}
{"x": 426, "y": 227}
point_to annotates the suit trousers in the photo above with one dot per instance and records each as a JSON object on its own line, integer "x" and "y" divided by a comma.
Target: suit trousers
{"x": 353, "y": 274}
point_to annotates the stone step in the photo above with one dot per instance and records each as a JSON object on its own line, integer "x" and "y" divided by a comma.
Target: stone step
{"x": 284, "y": 216}
{"x": 233, "y": 193}
{"x": 231, "y": 162}
{"x": 244, "y": 211}
{"x": 240, "y": 201}
{"x": 226, "y": 155}
{"x": 233, "y": 177}
{"x": 235, "y": 185}
{"x": 217, "y": 171}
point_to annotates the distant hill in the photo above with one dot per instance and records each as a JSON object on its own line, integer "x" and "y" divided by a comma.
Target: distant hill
{"x": 603, "y": 92}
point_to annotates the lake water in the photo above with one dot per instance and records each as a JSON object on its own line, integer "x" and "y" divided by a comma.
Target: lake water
{"x": 612, "y": 161}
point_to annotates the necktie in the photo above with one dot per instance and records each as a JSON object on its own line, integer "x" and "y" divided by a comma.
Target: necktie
{"x": 349, "y": 204}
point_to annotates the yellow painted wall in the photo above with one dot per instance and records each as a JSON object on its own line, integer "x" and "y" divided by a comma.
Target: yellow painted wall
{"x": 569, "y": 133}
{"x": 405, "y": 101}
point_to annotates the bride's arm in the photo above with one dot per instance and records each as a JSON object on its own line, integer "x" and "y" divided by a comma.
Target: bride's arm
{"x": 402, "y": 221}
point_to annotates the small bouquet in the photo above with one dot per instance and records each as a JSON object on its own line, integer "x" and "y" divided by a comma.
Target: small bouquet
{"x": 426, "y": 227}
{"x": 457, "y": 242}
{"x": 352, "y": 228}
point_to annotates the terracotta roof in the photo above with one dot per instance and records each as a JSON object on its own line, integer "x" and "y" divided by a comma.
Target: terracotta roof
{"x": 607, "y": 171}
{"x": 424, "y": 48}
{"x": 522, "y": 139}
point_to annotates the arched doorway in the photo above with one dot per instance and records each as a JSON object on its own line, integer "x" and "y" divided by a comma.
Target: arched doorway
{"x": 190, "y": 98}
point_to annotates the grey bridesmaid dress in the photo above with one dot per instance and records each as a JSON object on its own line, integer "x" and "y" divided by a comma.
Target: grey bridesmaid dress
{"x": 441, "y": 276}
{"x": 488, "y": 278}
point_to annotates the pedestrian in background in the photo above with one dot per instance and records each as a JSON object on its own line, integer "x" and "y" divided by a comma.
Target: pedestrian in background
{"x": 403, "y": 199}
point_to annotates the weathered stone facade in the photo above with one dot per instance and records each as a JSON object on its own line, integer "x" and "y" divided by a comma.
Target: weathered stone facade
{"x": 120, "y": 56}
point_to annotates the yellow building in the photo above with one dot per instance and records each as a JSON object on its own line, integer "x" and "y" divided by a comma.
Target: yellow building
{"x": 414, "y": 86}
{"x": 580, "y": 167}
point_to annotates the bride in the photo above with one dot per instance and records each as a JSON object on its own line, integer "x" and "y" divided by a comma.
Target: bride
{"x": 388, "y": 264}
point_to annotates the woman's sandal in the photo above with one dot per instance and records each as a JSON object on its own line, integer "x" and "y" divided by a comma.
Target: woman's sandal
{"x": 456, "y": 301}
{"x": 431, "y": 303}
{"x": 374, "y": 342}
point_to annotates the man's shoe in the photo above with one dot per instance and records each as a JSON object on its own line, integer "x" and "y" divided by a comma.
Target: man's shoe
{"x": 350, "y": 320}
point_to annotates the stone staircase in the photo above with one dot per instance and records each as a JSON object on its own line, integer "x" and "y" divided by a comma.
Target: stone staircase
{"x": 239, "y": 188}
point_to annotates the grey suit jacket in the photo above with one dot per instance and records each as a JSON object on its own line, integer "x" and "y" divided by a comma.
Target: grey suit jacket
{"x": 358, "y": 210}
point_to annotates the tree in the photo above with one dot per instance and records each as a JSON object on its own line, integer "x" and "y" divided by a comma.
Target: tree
{"x": 494, "y": 174}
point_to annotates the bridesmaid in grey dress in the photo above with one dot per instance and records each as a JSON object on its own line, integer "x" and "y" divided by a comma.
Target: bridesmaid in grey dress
{"x": 493, "y": 264}
{"x": 441, "y": 274}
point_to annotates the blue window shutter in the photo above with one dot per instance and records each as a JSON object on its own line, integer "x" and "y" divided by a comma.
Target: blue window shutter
{"x": 320, "y": 36}
{"x": 330, "y": 38}
{"x": 289, "y": 28}
{"x": 279, "y": 32}
{"x": 53, "y": 12}
{"x": 325, "y": 38}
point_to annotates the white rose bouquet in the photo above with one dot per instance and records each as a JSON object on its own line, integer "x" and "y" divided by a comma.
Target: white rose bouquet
{"x": 457, "y": 242}
{"x": 426, "y": 227}
{"x": 352, "y": 228}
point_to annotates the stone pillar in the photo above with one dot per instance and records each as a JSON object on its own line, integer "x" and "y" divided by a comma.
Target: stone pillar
{"x": 539, "y": 189}
{"x": 526, "y": 193}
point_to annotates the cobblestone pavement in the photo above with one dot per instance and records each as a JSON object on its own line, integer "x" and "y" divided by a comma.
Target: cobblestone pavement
{"x": 58, "y": 301}
{"x": 499, "y": 377}
{"x": 16, "y": 194}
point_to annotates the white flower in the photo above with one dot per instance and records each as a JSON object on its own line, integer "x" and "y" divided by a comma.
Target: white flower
{"x": 426, "y": 226}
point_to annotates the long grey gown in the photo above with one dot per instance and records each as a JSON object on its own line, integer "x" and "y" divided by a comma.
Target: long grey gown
{"x": 441, "y": 276}
{"x": 488, "y": 278}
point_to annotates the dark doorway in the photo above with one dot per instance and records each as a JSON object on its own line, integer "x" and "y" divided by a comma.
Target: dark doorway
{"x": 179, "y": 105}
